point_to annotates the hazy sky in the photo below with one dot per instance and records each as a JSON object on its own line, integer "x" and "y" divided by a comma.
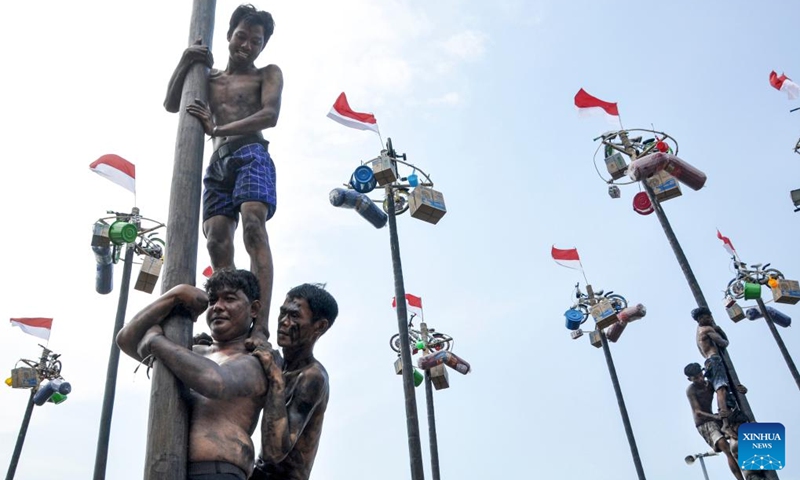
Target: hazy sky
{"x": 479, "y": 95}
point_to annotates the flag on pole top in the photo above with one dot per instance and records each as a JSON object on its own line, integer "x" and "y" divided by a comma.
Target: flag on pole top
{"x": 413, "y": 304}
{"x": 116, "y": 169}
{"x": 567, "y": 258}
{"x": 588, "y": 105}
{"x": 38, "y": 327}
{"x": 726, "y": 243}
{"x": 784, "y": 84}
{"x": 342, "y": 113}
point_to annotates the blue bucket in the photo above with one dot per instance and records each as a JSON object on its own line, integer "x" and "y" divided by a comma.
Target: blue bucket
{"x": 413, "y": 180}
{"x": 574, "y": 318}
{"x": 363, "y": 180}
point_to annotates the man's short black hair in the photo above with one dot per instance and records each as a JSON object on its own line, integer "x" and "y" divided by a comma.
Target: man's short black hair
{"x": 250, "y": 15}
{"x": 242, "y": 280}
{"x": 697, "y": 312}
{"x": 692, "y": 369}
{"x": 320, "y": 302}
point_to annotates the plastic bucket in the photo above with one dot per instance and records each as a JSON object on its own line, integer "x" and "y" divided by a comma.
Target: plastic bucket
{"x": 642, "y": 204}
{"x": 363, "y": 180}
{"x": 413, "y": 180}
{"x": 418, "y": 378}
{"x": 122, "y": 232}
{"x": 752, "y": 291}
{"x": 574, "y": 318}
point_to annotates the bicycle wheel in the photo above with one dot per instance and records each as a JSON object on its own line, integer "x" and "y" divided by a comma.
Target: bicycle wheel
{"x": 440, "y": 341}
{"x": 584, "y": 310}
{"x": 394, "y": 342}
{"x": 735, "y": 288}
{"x": 618, "y": 302}
{"x": 54, "y": 369}
{"x": 770, "y": 273}
{"x": 400, "y": 202}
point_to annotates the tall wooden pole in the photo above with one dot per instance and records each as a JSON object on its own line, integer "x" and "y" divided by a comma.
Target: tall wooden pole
{"x": 779, "y": 341}
{"x": 23, "y": 430}
{"x": 168, "y": 423}
{"x": 412, "y": 420}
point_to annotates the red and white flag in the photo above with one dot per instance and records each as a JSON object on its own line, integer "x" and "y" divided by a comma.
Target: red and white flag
{"x": 726, "y": 243}
{"x": 38, "y": 327}
{"x": 342, "y": 113}
{"x": 589, "y": 106}
{"x": 784, "y": 84}
{"x": 208, "y": 271}
{"x": 413, "y": 304}
{"x": 567, "y": 258}
{"x": 116, "y": 169}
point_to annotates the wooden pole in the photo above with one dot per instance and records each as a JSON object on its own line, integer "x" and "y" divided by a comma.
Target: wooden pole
{"x": 168, "y": 423}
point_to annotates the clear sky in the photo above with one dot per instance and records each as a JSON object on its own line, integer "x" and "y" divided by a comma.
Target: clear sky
{"x": 479, "y": 95}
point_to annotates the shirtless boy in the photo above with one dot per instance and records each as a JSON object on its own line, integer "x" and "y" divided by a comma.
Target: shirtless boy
{"x": 240, "y": 179}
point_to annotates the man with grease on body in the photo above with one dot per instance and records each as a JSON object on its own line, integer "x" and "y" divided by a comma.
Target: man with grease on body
{"x": 240, "y": 179}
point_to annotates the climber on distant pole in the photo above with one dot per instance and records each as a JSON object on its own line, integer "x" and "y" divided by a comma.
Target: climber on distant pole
{"x": 240, "y": 178}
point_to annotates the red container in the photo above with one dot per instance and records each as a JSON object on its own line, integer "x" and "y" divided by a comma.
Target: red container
{"x": 632, "y": 313}
{"x": 615, "y": 330}
{"x": 646, "y": 166}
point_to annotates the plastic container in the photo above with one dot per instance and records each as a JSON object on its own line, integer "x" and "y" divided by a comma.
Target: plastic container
{"x": 49, "y": 388}
{"x": 363, "y": 180}
{"x": 418, "y": 378}
{"x": 346, "y": 198}
{"x": 444, "y": 357}
{"x": 648, "y": 165}
{"x": 615, "y": 330}
{"x": 574, "y": 318}
{"x": 778, "y": 317}
{"x": 633, "y": 313}
{"x": 752, "y": 291}
{"x": 122, "y": 232}
{"x": 642, "y": 204}
{"x": 104, "y": 277}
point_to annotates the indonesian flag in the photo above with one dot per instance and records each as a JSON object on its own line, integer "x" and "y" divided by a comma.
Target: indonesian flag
{"x": 342, "y": 113}
{"x": 589, "y": 105}
{"x": 726, "y": 243}
{"x": 413, "y": 304}
{"x": 784, "y": 84}
{"x": 38, "y": 327}
{"x": 208, "y": 271}
{"x": 116, "y": 169}
{"x": 567, "y": 258}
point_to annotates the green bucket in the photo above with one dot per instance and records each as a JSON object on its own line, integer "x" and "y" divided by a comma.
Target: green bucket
{"x": 418, "y": 378}
{"x": 122, "y": 232}
{"x": 752, "y": 291}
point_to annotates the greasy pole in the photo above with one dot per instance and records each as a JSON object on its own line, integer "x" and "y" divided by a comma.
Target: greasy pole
{"x": 168, "y": 423}
{"x": 779, "y": 341}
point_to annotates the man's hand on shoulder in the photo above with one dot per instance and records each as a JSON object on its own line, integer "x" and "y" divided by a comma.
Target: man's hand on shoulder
{"x": 271, "y": 362}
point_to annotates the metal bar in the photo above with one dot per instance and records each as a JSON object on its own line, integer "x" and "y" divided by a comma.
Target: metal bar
{"x": 101, "y": 456}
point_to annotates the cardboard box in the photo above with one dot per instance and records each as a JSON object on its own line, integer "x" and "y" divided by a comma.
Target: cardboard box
{"x": 148, "y": 275}
{"x": 735, "y": 312}
{"x": 398, "y": 365}
{"x": 664, "y": 185}
{"x": 603, "y": 313}
{"x": 575, "y": 334}
{"x": 24, "y": 377}
{"x": 616, "y": 165}
{"x": 385, "y": 170}
{"x": 439, "y": 377}
{"x": 786, "y": 291}
{"x": 427, "y": 204}
{"x": 594, "y": 338}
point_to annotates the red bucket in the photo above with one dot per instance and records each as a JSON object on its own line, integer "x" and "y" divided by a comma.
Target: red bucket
{"x": 641, "y": 204}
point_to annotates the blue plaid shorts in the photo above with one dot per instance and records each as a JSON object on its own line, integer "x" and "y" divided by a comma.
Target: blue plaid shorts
{"x": 245, "y": 175}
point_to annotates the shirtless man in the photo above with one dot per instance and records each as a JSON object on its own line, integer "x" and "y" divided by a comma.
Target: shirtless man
{"x": 240, "y": 179}
{"x": 227, "y": 385}
{"x": 711, "y": 338}
{"x": 700, "y": 394}
{"x": 298, "y": 394}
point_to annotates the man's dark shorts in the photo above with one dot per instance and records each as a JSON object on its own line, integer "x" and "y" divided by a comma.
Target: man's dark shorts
{"x": 715, "y": 372}
{"x": 240, "y": 171}
{"x": 215, "y": 471}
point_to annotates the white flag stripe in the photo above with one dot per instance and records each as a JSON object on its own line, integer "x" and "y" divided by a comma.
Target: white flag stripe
{"x": 41, "y": 332}
{"x": 349, "y": 122}
{"x": 576, "y": 264}
{"x": 791, "y": 89}
{"x": 120, "y": 178}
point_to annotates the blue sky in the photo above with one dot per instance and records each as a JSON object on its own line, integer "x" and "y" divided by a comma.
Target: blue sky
{"x": 479, "y": 95}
